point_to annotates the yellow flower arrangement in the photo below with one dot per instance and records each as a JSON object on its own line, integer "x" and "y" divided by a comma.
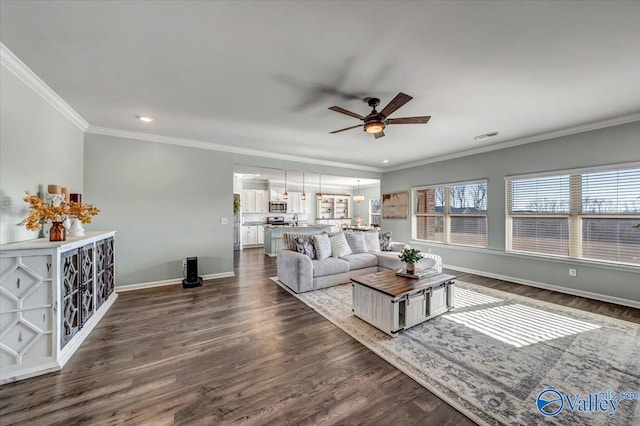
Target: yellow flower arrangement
{"x": 41, "y": 212}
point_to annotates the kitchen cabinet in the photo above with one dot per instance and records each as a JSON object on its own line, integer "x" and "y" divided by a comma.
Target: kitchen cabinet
{"x": 296, "y": 204}
{"x": 255, "y": 201}
{"x": 52, "y": 294}
{"x": 252, "y": 235}
{"x": 276, "y": 193}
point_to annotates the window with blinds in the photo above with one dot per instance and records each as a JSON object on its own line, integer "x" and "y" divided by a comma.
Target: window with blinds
{"x": 453, "y": 214}
{"x": 374, "y": 212}
{"x": 583, "y": 215}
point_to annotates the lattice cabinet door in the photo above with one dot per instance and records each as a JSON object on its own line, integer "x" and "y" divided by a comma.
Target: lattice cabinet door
{"x": 70, "y": 277}
{"x": 26, "y": 299}
{"x": 105, "y": 282}
{"x": 87, "y": 305}
{"x": 110, "y": 278}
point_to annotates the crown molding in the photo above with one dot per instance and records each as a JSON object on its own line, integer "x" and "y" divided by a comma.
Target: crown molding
{"x": 170, "y": 140}
{"x": 12, "y": 63}
{"x": 523, "y": 141}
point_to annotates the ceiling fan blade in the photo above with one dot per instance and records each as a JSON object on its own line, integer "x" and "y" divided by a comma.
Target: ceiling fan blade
{"x": 397, "y": 102}
{"x": 409, "y": 120}
{"x": 379, "y": 135}
{"x": 344, "y": 111}
{"x": 347, "y": 128}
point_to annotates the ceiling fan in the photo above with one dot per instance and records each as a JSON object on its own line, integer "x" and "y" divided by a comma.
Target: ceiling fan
{"x": 375, "y": 122}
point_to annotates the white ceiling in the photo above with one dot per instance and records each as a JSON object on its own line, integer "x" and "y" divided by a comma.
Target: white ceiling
{"x": 261, "y": 75}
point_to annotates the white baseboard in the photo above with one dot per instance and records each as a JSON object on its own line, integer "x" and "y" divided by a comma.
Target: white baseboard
{"x": 140, "y": 286}
{"x": 566, "y": 290}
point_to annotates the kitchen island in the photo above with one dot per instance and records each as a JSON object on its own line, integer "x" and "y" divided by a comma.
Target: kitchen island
{"x": 273, "y": 235}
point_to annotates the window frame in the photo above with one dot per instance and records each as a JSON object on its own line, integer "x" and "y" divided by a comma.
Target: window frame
{"x": 372, "y": 214}
{"x": 574, "y": 216}
{"x": 447, "y": 215}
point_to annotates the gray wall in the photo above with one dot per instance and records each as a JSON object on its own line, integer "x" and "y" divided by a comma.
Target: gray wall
{"x": 38, "y": 146}
{"x": 613, "y": 145}
{"x": 166, "y": 203}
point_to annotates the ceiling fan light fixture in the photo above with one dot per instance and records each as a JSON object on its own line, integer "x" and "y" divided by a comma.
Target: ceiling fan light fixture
{"x": 374, "y": 127}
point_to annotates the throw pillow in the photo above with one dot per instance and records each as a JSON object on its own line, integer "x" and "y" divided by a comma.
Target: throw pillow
{"x": 385, "y": 241}
{"x": 304, "y": 245}
{"x": 372, "y": 240}
{"x": 289, "y": 239}
{"x": 339, "y": 245}
{"x": 356, "y": 242}
{"x": 322, "y": 245}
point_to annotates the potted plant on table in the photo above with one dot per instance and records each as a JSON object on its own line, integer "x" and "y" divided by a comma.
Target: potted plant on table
{"x": 410, "y": 257}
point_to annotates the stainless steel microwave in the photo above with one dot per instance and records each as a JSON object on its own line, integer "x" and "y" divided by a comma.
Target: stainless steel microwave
{"x": 277, "y": 207}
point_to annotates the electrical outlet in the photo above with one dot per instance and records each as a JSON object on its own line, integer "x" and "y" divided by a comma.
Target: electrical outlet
{"x": 573, "y": 272}
{"x": 224, "y": 221}
{"x": 184, "y": 262}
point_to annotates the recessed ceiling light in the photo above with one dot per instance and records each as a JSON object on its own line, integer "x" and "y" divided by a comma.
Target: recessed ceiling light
{"x": 145, "y": 119}
{"x": 486, "y": 136}
{"x": 385, "y": 161}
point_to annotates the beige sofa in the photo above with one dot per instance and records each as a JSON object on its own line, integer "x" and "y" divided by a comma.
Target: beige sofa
{"x": 301, "y": 273}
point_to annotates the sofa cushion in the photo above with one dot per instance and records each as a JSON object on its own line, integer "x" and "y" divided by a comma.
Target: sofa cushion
{"x": 329, "y": 266}
{"x": 372, "y": 240}
{"x": 304, "y": 245}
{"x": 339, "y": 245}
{"x": 385, "y": 241}
{"x": 360, "y": 260}
{"x": 356, "y": 242}
{"x": 390, "y": 260}
{"x": 322, "y": 245}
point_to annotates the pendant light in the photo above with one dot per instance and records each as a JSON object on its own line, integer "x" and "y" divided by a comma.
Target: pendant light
{"x": 303, "y": 196}
{"x": 358, "y": 198}
{"x": 285, "y": 196}
{"x": 319, "y": 196}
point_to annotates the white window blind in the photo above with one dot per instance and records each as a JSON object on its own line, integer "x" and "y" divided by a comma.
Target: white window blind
{"x": 610, "y": 208}
{"x": 468, "y": 214}
{"x": 374, "y": 212}
{"x": 455, "y": 214}
{"x": 429, "y": 204}
{"x": 587, "y": 215}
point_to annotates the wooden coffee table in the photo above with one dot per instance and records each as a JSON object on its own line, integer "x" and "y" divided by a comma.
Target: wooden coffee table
{"x": 392, "y": 303}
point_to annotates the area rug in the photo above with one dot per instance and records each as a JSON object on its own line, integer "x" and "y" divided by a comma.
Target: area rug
{"x": 500, "y": 358}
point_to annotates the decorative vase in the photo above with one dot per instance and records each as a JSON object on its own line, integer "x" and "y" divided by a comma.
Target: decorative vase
{"x": 411, "y": 267}
{"x": 57, "y": 232}
{"x": 76, "y": 229}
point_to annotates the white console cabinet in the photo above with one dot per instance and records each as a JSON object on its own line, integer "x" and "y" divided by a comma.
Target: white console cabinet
{"x": 52, "y": 294}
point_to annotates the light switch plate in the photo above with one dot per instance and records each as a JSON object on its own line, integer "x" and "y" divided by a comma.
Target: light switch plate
{"x": 224, "y": 221}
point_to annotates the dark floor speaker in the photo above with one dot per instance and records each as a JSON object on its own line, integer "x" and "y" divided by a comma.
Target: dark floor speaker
{"x": 192, "y": 279}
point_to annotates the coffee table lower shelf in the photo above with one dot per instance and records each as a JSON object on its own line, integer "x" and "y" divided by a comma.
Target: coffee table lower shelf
{"x": 394, "y": 311}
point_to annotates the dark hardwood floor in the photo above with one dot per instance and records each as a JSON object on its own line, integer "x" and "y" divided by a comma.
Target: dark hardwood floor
{"x": 237, "y": 350}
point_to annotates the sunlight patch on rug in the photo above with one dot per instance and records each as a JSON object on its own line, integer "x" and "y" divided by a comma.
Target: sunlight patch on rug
{"x": 467, "y": 298}
{"x": 519, "y": 325}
